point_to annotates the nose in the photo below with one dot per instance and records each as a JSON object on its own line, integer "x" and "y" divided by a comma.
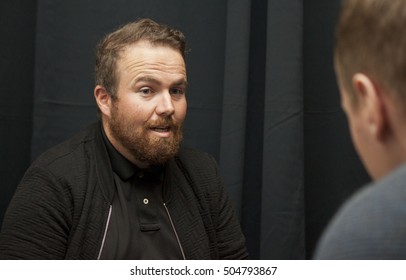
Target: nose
{"x": 165, "y": 105}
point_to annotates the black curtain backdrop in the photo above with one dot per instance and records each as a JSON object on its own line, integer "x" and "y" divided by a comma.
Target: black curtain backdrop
{"x": 262, "y": 99}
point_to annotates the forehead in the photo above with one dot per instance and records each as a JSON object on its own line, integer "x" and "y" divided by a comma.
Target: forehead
{"x": 144, "y": 55}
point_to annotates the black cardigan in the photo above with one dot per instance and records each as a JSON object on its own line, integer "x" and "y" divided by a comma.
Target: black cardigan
{"x": 60, "y": 208}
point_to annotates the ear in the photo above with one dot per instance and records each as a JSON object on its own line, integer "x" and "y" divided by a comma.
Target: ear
{"x": 372, "y": 104}
{"x": 103, "y": 100}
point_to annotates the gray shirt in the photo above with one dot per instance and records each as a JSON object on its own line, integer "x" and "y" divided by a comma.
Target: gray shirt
{"x": 371, "y": 225}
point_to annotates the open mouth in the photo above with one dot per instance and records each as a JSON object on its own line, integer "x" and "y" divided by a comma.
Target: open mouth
{"x": 162, "y": 131}
{"x": 161, "y": 128}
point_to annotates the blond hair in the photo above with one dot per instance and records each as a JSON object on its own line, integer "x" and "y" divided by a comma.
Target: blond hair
{"x": 370, "y": 39}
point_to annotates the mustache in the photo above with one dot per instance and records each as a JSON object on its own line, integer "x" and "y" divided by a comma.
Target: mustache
{"x": 164, "y": 122}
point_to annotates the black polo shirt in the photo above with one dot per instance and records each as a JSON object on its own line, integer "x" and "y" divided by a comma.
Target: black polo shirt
{"x": 140, "y": 226}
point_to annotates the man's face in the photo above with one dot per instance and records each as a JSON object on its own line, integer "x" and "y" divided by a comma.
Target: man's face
{"x": 147, "y": 116}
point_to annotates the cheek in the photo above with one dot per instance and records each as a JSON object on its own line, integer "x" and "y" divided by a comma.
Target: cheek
{"x": 356, "y": 139}
{"x": 360, "y": 140}
{"x": 137, "y": 111}
{"x": 133, "y": 117}
{"x": 180, "y": 111}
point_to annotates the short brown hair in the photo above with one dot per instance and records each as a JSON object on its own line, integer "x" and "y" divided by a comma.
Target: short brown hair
{"x": 109, "y": 48}
{"x": 370, "y": 39}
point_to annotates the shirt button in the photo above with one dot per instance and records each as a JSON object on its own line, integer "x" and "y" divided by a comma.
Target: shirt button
{"x": 146, "y": 201}
{"x": 140, "y": 175}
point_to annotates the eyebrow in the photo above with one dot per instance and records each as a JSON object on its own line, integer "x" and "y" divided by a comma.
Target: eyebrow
{"x": 181, "y": 82}
{"x": 149, "y": 79}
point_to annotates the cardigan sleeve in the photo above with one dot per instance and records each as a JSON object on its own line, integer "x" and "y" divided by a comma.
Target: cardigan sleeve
{"x": 37, "y": 222}
{"x": 230, "y": 239}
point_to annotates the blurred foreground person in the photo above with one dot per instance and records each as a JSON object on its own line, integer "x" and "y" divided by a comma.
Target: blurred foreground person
{"x": 370, "y": 63}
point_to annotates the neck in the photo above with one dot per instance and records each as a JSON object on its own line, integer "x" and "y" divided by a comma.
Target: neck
{"x": 123, "y": 150}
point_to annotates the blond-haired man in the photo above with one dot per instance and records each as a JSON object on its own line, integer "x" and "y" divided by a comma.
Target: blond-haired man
{"x": 370, "y": 63}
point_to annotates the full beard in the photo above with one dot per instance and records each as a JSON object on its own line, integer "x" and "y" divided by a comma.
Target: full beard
{"x": 144, "y": 147}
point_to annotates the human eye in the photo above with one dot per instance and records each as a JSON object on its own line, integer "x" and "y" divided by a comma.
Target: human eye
{"x": 145, "y": 91}
{"x": 177, "y": 91}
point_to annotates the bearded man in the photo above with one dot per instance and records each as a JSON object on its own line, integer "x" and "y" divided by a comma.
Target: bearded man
{"x": 123, "y": 188}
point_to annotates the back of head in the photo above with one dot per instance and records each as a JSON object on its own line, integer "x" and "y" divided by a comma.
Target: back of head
{"x": 111, "y": 46}
{"x": 370, "y": 39}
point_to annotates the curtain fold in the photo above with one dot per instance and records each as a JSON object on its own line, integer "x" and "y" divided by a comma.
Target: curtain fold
{"x": 17, "y": 32}
{"x": 234, "y": 103}
{"x": 282, "y": 234}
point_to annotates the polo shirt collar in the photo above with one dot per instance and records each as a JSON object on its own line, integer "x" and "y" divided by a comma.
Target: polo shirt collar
{"x": 121, "y": 166}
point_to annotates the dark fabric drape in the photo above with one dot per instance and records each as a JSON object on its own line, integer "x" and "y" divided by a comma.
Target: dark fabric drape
{"x": 283, "y": 184}
{"x": 17, "y": 37}
{"x": 262, "y": 99}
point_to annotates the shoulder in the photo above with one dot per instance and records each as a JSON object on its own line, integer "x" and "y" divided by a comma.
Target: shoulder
{"x": 192, "y": 158}
{"x": 190, "y": 153}
{"x": 61, "y": 171}
{"x": 370, "y": 224}
{"x": 199, "y": 167}
{"x": 69, "y": 161}
{"x": 73, "y": 149}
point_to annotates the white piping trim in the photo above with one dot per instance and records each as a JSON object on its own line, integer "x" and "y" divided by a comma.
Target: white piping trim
{"x": 174, "y": 230}
{"x": 105, "y": 231}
